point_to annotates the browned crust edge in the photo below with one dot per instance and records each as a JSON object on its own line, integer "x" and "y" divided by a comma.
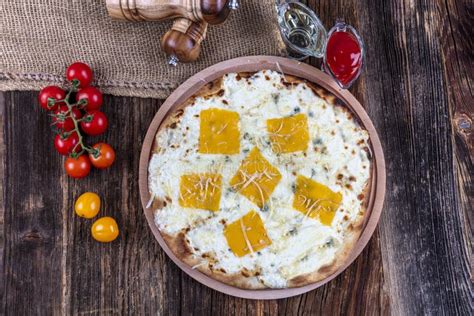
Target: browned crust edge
{"x": 248, "y": 280}
{"x": 354, "y": 231}
{"x": 180, "y": 247}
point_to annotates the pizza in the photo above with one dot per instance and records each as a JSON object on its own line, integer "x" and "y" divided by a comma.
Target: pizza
{"x": 261, "y": 180}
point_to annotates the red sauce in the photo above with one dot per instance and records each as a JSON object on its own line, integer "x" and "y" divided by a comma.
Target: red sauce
{"x": 343, "y": 56}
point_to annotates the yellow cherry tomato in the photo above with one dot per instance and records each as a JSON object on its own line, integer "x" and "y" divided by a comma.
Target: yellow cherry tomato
{"x": 87, "y": 205}
{"x": 105, "y": 229}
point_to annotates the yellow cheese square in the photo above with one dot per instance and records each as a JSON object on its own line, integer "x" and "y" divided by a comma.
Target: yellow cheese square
{"x": 201, "y": 191}
{"x": 256, "y": 178}
{"x": 316, "y": 200}
{"x": 247, "y": 235}
{"x": 288, "y": 134}
{"x": 219, "y": 132}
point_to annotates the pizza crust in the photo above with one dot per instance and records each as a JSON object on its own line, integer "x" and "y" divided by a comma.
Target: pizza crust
{"x": 249, "y": 279}
{"x": 181, "y": 248}
{"x": 352, "y": 236}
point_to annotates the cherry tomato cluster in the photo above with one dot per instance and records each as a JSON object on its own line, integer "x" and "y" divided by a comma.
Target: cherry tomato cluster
{"x": 73, "y": 116}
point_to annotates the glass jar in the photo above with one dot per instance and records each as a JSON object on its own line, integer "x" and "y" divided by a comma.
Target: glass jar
{"x": 301, "y": 30}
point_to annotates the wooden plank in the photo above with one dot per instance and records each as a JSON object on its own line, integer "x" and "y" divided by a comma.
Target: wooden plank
{"x": 2, "y": 199}
{"x": 51, "y": 261}
{"x": 131, "y": 273}
{"x": 32, "y": 196}
{"x": 425, "y": 263}
{"x": 458, "y": 61}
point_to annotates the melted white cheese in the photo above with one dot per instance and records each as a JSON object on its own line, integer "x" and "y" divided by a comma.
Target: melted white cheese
{"x": 299, "y": 244}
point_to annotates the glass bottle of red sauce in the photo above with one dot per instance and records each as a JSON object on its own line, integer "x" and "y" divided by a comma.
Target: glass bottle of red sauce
{"x": 344, "y": 54}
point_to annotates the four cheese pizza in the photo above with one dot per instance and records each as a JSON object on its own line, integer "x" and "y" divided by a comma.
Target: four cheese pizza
{"x": 261, "y": 181}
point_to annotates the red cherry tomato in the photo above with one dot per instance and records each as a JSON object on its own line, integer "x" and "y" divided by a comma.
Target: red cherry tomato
{"x": 64, "y": 146}
{"x": 80, "y": 72}
{"x": 105, "y": 156}
{"x": 95, "y": 123}
{"x": 93, "y": 97}
{"x": 66, "y": 124}
{"x": 77, "y": 167}
{"x": 51, "y": 92}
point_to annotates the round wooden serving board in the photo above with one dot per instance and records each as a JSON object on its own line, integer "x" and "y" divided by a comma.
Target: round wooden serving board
{"x": 290, "y": 67}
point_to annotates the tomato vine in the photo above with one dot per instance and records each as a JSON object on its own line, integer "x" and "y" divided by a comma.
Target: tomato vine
{"x": 73, "y": 119}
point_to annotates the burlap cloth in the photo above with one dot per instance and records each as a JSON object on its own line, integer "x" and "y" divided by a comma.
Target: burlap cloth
{"x": 39, "y": 38}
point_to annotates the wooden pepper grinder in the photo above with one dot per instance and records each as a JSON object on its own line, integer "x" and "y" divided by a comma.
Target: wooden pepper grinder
{"x": 182, "y": 43}
{"x": 210, "y": 11}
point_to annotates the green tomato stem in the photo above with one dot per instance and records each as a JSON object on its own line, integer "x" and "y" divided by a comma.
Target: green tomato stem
{"x": 69, "y": 114}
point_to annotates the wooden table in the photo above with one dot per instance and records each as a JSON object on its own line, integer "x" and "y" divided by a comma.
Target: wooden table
{"x": 417, "y": 88}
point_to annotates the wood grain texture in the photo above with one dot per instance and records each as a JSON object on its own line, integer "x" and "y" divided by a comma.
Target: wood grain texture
{"x": 210, "y": 11}
{"x": 416, "y": 86}
{"x": 423, "y": 217}
{"x": 183, "y": 40}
